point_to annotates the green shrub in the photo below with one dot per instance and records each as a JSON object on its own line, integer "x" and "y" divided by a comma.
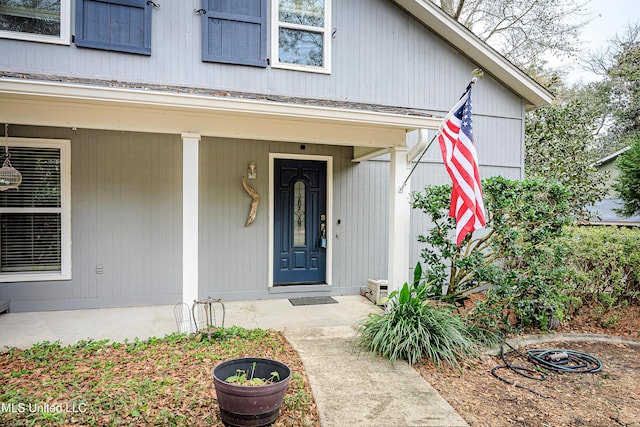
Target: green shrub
{"x": 605, "y": 265}
{"x": 515, "y": 257}
{"x": 412, "y": 328}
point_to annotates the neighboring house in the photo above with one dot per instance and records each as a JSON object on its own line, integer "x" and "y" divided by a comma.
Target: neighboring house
{"x": 604, "y": 211}
{"x": 133, "y": 123}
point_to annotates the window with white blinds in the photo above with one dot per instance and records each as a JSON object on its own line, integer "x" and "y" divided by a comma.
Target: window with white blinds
{"x": 34, "y": 220}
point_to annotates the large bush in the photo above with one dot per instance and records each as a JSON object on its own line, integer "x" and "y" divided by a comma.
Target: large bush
{"x": 605, "y": 265}
{"x": 516, "y": 257}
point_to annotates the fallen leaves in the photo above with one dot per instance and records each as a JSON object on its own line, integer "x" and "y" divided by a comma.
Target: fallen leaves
{"x": 608, "y": 398}
{"x": 164, "y": 382}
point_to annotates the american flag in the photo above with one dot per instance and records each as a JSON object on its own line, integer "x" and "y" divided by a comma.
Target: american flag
{"x": 461, "y": 161}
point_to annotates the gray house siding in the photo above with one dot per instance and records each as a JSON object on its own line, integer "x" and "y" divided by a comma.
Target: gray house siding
{"x": 126, "y": 187}
{"x": 380, "y": 55}
{"x": 497, "y": 142}
{"x": 126, "y": 217}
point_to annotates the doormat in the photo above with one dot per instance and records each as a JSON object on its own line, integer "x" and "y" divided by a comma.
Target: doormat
{"x": 312, "y": 301}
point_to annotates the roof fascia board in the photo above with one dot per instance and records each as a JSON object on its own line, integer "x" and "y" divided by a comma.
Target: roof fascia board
{"x": 478, "y": 51}
{"x": 185, "y": 102}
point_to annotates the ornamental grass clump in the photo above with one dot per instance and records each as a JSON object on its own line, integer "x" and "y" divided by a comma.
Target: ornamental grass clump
{"x": 413, "y": 327}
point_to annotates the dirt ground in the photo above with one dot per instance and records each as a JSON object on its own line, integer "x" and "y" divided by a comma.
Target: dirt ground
{"x": 610, "y": 397}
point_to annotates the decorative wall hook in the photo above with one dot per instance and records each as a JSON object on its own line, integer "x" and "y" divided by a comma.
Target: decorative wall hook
{"x": 200, "y": 11}
{"x": 252, "y": 171}
{"x": 154, "y": 4}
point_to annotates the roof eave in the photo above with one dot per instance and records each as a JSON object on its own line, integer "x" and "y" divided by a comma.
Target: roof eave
{"x": 479, "y": 52}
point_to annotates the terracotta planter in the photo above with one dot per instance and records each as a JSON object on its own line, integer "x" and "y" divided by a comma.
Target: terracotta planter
{"x": 250, "y": 405}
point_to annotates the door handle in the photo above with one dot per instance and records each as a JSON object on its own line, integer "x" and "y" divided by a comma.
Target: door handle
{"x": 323, "y": 232}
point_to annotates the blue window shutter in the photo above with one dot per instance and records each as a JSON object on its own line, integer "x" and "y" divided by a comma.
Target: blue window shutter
{"x": 118, "y": 25}
{"x": 235, "y": 32}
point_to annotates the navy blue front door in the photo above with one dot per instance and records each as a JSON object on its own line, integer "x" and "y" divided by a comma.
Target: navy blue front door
{"x": 299, "y": 221}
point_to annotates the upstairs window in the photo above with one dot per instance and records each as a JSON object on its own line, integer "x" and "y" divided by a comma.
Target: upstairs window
{"x": 235, "y": 32}
{"x": 117, "y": 25}
{"x": 301, "y": 35}
{"x": 35, "y": 224}
{"x": 35, "y": 20}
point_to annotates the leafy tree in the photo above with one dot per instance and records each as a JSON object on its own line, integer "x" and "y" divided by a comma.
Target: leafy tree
{"x": 627, "y": 183}
{"x": 559, "y": 139}
{"x": 625, "y": 79}
{"x": 522, "y": 30}
{"x": 617, "y": 95}
{"x": 559, "y": 142}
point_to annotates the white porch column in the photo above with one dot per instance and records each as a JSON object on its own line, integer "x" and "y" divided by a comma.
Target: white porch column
{"x": 399, "y": 219}
{"x": 190, "y": 192}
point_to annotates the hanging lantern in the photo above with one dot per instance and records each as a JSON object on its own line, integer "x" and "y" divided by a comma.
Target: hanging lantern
{"x": 9, "y": 176}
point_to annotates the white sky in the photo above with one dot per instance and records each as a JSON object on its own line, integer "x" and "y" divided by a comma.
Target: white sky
{"x": 611, "y": 17}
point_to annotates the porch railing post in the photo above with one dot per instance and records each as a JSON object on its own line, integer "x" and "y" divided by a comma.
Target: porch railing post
{"x": 399, "y": 219}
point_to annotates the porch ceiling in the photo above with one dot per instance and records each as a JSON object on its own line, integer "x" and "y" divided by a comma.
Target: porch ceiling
{"x": 82, "y": 106}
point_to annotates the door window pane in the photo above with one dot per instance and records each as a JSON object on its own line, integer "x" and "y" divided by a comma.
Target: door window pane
{"x": 299, "y": 214}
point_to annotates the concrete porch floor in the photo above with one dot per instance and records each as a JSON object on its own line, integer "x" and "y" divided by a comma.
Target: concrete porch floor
{"x": 370, "y": 392}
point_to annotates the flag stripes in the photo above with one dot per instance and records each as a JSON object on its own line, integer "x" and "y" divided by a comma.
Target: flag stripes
{"x": 461, "y": 161}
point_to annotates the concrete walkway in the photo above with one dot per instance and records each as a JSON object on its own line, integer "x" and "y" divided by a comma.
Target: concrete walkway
{"x": 350, "y": 389}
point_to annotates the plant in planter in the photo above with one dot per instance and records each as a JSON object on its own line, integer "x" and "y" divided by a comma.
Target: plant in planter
{"x": 250, "y": 390}
{"x": 242, "y": 378}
